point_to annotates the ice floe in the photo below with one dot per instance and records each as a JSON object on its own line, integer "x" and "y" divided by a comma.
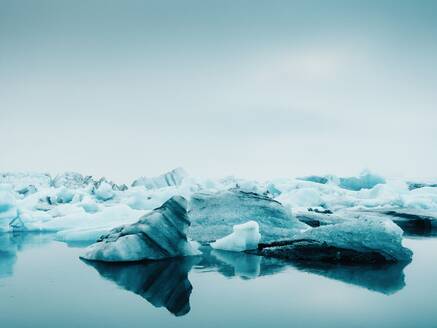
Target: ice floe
{"x": 244, "y": 237}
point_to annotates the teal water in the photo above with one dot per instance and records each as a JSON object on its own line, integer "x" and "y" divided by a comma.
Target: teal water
{"x": 43, "y": 283}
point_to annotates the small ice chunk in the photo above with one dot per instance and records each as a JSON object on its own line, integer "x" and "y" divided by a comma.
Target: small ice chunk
{"x": 246, "y": 236}
{"x": 89, "y": 206}
{"x": 104, "y": 192}
{"x": 64, "y": 196}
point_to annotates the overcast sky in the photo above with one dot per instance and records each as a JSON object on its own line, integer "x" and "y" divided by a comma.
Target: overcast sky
{"x": 258, "y": 89}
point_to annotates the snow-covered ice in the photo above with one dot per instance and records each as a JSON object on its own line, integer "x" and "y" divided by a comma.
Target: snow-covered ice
{"x": 104, "y": 191}
{"x": 244, "y": 237}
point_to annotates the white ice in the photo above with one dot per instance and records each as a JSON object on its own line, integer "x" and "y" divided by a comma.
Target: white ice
{"x": 244, "y": 237}
{"x": 104, "y": 191}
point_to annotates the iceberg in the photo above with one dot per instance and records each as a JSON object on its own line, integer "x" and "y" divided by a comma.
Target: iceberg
{"x": 214, "y": 214}
{"x": 172, "y": 178}
{"x": 367, "y": 240}
{"x": 244, "y": 237}
{"x": 158, "y": 235}
{"x": 366, "y": 180}
{"x": 317, "y": 179}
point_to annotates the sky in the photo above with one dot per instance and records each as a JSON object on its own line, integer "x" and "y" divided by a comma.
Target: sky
{"x": 255, "y": 89}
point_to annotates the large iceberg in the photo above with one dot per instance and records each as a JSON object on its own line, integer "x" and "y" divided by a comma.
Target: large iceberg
{"x": 367, "y": 240}
{"x": 214, "y": 214}
{"x": 158, "y": 235}
{"x": 244, "y": 237}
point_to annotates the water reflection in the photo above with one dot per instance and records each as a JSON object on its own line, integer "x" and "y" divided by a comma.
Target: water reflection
{"x": 233, "y": 264}
{"x": 8, "y": 256}
{"x": 12, "y": 243}
{"x": 382, "y": 278}
{"x": 386, "y": 278}
{"x": 162, "y": 283}
{"x": 166, "y": 284}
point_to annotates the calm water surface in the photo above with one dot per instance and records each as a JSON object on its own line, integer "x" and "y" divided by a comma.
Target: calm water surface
{"x": 43, "y": 283}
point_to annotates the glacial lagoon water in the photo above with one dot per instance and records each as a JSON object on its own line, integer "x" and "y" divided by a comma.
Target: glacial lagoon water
{"x": 43, "y": 283}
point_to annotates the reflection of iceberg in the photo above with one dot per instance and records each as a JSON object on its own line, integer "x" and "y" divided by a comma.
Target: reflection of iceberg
{"x": 239, "y": 264}
{"x": 162, "y": 283}
{"x": 8, "y": 255}
{"x": 245, "y": 266}
{"x": 12, "y": 243}
{"x": 386, "y": 278}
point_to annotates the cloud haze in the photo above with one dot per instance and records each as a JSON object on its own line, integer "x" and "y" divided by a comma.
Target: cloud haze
{"x": 253, "y": 88}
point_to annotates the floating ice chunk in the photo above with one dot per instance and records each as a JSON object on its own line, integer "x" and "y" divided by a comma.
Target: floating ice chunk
{"x": 316, "y": 179}
{"x": 172, "y": 178}
{"x": 158, "y": 235}
{"x": 245, "y": 236}
{"x": 214, "y": 214}
{"x": 89, "y": 205}
{"x": 365, "y": 240}
{"x": 64, "y": 196}
{"x": 104, "y": 192}
{"x": 366, "y": 180}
